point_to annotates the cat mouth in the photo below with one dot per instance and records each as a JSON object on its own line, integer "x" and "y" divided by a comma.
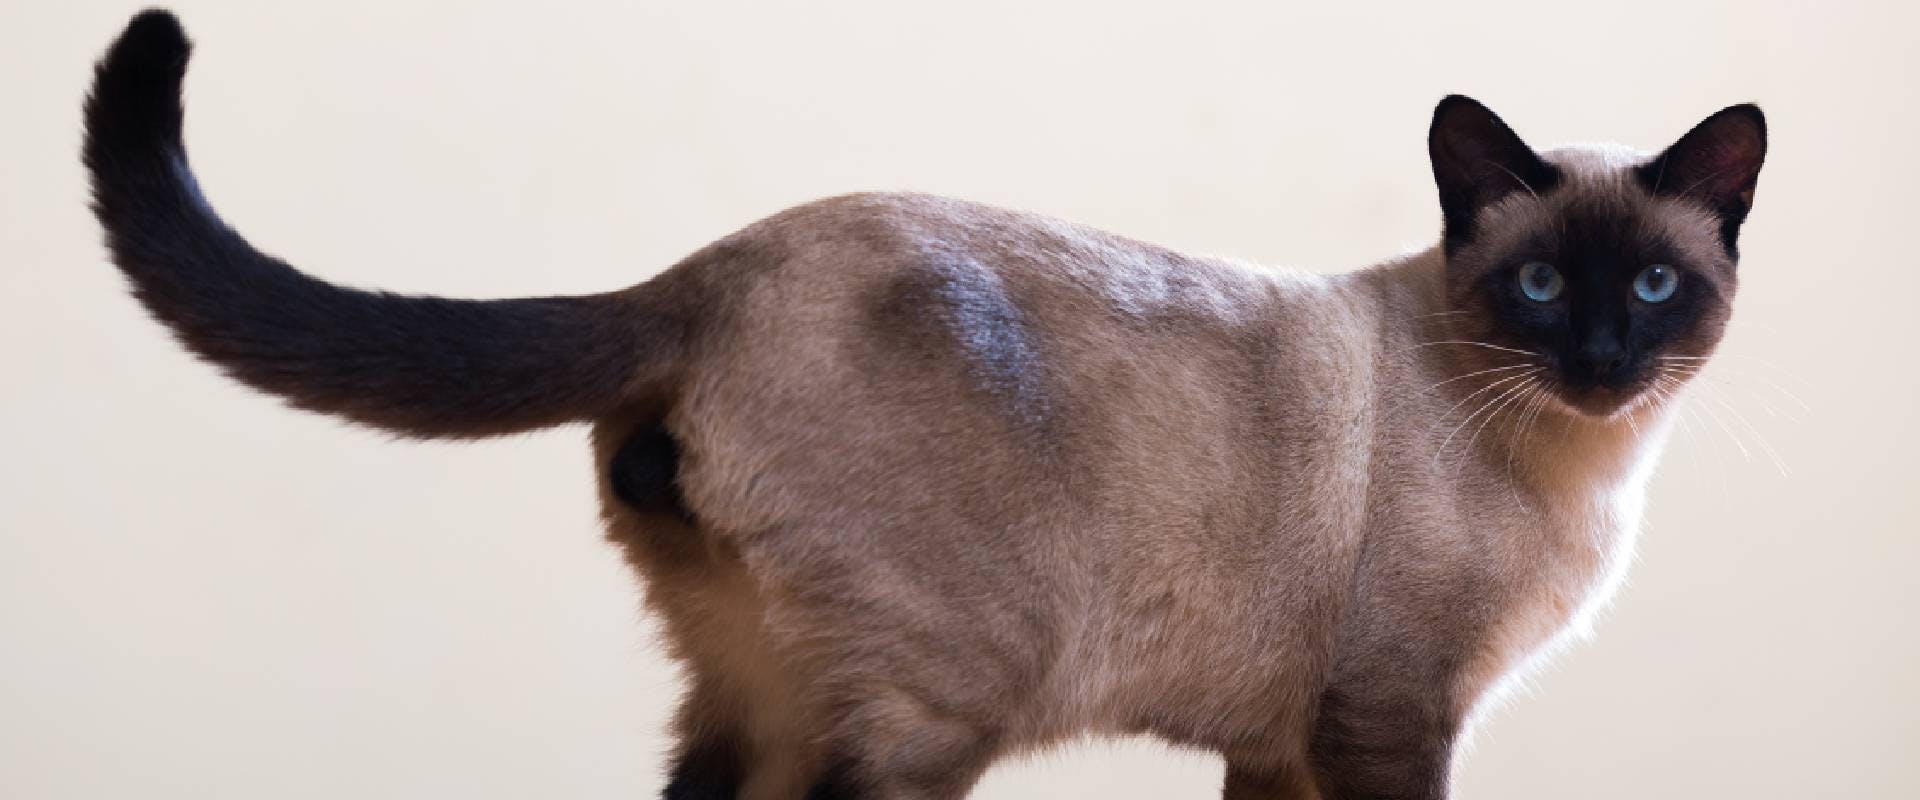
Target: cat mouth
{"x": 1597, "y": 401}
{"x": 1601, "y": 401}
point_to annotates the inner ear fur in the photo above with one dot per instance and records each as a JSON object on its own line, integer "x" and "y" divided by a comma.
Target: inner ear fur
{"x": 1717, "y": 164}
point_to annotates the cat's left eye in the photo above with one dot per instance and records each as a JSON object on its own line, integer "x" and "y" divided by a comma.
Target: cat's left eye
{"x": 1656, "y": 283}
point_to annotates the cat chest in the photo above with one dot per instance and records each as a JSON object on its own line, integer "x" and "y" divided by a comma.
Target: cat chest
{"x": 1561, "y": 571}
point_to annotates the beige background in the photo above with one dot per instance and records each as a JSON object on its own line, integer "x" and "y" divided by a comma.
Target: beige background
{"x": 203, "y": 595}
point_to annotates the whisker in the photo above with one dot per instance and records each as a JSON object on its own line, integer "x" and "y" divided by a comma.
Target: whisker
{"x": 1471, "y": 374}
{"x": 1442, "y": 449}
{"x": 1704, "y": 370}
{"x": 1718, "y": 455}
{"x": 1485, "y": 389}
{"x": 1758, "y": 436}
{"x": 1771, "y": 409}
{"x": 1672, "y": 390}
{"x": 1697, "y": 184}
{"x": 1755, "y": 360}
{"x": 1479, "y": 344}
{"x": 1667, "y": 390}
{"x": 1511, "y": 393}
{"x": 1725, "y": 381}
{"x": 1500, "y": 409}
{"x": 1661, "y": 176}
{"x": 1722, "y": 422}
{"x": 1522, "y": 181}
{"x": 1537, "y": 402}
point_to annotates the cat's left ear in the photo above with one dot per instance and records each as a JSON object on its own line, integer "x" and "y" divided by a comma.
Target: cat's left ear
{"x": 1477, "y": 161}
{"x": 1717, "y": 164}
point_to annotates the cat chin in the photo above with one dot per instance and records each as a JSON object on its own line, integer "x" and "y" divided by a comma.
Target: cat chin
{"x": 1601, "y": 403}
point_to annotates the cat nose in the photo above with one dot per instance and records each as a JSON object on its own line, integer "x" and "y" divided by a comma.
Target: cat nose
{"x": 1600, "y": 358}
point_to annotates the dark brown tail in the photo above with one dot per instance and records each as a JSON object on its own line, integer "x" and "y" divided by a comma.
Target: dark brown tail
{"x": 418, "y": 366}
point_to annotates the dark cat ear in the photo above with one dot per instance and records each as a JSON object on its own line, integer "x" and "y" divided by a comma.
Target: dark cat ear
{"x": 1716, "y": 163}
{"x": 1477, "y": 160}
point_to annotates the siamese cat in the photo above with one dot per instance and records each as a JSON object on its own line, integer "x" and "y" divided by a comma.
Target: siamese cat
{"x": 916, "y": 483}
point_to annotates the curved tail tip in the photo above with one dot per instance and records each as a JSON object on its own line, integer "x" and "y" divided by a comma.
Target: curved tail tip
{"x": 153, "y": 45}
{"x": 135, "y": 103}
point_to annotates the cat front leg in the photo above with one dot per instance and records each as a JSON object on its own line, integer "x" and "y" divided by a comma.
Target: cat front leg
{"x": 890, "y": 745}
{"x": 1383, "y": 740}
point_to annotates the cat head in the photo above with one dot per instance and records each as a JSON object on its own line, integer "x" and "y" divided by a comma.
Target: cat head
{"x": 1607, "y": 268}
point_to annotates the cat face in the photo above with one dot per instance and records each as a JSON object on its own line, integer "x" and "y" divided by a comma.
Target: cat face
{"x": 1609, "y": 270}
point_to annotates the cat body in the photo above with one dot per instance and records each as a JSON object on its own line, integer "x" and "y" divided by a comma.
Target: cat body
{"x": 915, "y": 483}
{"x": 1105, "y": 492}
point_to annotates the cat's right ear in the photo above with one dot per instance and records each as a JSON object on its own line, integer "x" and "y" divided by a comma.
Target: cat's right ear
{"x": 1477, "y": 161}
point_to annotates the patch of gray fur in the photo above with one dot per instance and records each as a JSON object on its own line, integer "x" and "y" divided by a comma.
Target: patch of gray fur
{"x": 995, "y": 340}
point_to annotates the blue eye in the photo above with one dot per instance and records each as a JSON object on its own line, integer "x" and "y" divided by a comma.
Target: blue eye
{"x": 1656, "y": 283}
{"x": 1540, "y": 282}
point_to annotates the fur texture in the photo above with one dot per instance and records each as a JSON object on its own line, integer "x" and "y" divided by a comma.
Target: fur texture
{"x": 915, "y": 483}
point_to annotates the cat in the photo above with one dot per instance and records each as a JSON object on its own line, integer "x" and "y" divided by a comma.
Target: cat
{"x": 915, "y": 483}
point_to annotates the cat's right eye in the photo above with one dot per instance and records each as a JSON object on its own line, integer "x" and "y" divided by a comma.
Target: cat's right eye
{"x": 1540, "y": 282}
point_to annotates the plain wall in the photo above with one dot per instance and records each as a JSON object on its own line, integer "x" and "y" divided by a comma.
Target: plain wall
{"x": 205, "y": 595}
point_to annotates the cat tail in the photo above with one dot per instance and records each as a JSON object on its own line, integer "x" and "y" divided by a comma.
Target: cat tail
{"x": 416, "y": 366}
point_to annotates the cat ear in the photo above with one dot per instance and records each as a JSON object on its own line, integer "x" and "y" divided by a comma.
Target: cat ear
{"x": 1717, "y": 163}
{"x": 1477, "y": 161}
